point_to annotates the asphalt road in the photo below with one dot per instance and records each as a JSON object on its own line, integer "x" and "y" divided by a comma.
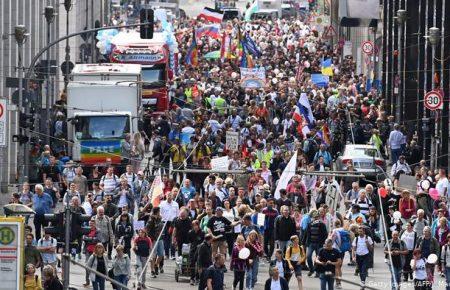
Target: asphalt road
{"x": 379, "y": 277}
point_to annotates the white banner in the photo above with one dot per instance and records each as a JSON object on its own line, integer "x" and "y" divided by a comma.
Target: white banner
{"x": 287, "y": 174}
{"x": 232, "y": 140}
{"x": 253, "y": 78}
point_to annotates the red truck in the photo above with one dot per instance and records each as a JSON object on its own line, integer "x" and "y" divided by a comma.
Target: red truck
{"x": 154, "y": 57}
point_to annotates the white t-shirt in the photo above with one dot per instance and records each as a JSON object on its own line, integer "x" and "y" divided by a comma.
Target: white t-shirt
{"x": 280, "y": 268}
{"x": 275, "y": 284}
{"x": 408, "y": 238}
{"x": 420, "y": 273}
{"x": 361, "y": 248}
{"x": 442, "y": 185}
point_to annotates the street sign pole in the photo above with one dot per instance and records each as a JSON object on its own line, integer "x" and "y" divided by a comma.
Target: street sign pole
{"x": 66, "y": 261}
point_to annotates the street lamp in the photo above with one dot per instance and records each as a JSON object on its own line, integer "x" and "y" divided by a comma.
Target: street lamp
{"x": 401, "y": 19}
{"x": 434, "y": 36}
{"x": 49, "y": 13}
{"x": 20, "y": 34}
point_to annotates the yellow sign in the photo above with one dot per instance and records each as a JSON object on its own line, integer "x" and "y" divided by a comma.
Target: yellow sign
{"x": 11, "y": 252}
{"x": 6, "y": 236}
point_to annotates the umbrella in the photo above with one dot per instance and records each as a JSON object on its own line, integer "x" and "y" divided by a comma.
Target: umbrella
{"x": 17, "y": 209}
{"x": 214, "y": 55}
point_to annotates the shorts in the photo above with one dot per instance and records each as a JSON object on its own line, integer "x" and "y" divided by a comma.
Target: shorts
{"x": 297, "y": 268}
{"x": 159, "y": 249}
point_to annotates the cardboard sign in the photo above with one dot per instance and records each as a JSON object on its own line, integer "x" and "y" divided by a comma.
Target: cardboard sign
{"x": 232, "y": 140}
{"x": 220, "y": 163}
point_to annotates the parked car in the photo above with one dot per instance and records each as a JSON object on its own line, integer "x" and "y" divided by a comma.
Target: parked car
{"x": 366, "y": 159}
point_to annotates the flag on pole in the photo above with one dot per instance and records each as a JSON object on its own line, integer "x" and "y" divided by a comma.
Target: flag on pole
{"x": 192, "y": 53}
{"x": 305, "y": 108}
{"x": 211, "y": 15}
{"x": 208, "y": 30}
{"x": 156, "y": 191}
{"x": 286, "y": 175}
{"x": 250, "y": 45}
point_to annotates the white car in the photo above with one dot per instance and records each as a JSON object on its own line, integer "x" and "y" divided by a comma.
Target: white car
{"x": 366, "y": 159}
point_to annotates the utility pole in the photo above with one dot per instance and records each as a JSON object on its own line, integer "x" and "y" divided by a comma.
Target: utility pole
{"x": 49, "y": 13}
{"x": 401, "y": 19}
{"x": 20, "y": 34}
{"x": 434, "y": 35}
{"x": 66, "y": 262}
{"x": 67, "y": 7}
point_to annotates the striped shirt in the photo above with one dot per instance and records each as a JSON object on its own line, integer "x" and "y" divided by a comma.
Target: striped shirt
{"x": 109, "y": 183}
{"x": 364, "y": 205}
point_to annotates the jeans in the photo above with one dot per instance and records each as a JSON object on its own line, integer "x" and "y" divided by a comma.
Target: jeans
{"x": 168, "y": 246}
{"x": 141, "y": 262}
{"x": 309, "y": 252}
{"x": 269, "y": 243}
{"x": 87, "y": 255}
{"x": 239, "y": 278}
{"x": 283, "y": 245}
{"x": 121, "y": 279}
{"x": 397, "y": 274}
{"x": 362, "y": 262}
{"x": 326, "y": 280}
{"x": 252, "y": 274}
{"x": 395, "y": 154}
{"x": 447, "y": 278}
{"x": 98, "y": 284}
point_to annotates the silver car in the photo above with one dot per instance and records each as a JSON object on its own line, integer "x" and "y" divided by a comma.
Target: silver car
{"x": 366, "y": 159}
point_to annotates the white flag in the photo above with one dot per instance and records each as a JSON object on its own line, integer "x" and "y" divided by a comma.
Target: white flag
{"x": 287, "y": 174}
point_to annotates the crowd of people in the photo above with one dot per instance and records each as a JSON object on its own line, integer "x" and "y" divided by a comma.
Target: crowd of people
{"x": 214, "y": 223}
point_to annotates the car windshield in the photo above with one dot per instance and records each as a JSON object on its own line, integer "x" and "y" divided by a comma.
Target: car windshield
{"x": 102, "y": 127}
{"x": 153, "y": 76}
{"x": 362, "y": 152}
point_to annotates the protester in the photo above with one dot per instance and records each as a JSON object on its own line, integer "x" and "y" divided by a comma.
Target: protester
{"x": 99, "y": 262}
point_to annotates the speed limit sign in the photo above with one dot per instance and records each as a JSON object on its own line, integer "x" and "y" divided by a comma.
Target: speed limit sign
{"x": 367, "y": 47}
{"x": 433, "y": 100}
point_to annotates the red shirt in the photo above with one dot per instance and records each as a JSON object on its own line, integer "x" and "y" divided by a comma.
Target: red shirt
{"x": 407, "y": 208}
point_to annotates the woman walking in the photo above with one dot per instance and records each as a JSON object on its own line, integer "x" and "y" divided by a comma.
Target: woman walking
{"x": 137, "y": 151}
{"x": 121, "y": 266}
{"x": 142, "y": 246}
{"x": 99, "y": 262}
{"x": 238, "y": 265}
{"x": 256, "y": 251}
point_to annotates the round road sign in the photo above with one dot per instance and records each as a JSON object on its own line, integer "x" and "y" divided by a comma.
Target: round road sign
{"x": 367, "y": 47}
{"x": 2, "y": 110}
{"x": 433, "y": 100}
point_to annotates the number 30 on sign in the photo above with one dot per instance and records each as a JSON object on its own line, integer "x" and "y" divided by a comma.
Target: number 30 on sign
{"x": 433, "y": 100}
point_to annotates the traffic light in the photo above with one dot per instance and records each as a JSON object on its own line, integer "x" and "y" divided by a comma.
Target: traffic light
{"x": 146, "y": 16}
{"x": 26, "y": 121}
{"x": 79, "y": 227}
{"x": 56, "y": 227}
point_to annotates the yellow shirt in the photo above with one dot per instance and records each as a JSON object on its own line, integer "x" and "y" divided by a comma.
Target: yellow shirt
{"x": 295, "y": 254}
{"x": 33, "y": 283}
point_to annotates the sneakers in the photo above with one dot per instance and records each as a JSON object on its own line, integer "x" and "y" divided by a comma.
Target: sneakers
{"x": 156, "y": 271}
{"x": 153, "y": 275}
{"x": 338, "y": 286}
{"x": 363, "y": 285}
{"x": 310, "y": 273}
{"x": 85, "y": 285}
{"x": 161, "y": 270}
{"x": 192, "y": 282}
{"x": 351, "y": 264}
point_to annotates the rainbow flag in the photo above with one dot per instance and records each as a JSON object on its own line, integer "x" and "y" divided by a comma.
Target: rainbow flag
{"x": 192, "y": 54}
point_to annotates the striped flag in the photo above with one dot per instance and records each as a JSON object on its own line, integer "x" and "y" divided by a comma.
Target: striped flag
{"x": 192, "y": 54}
{"x": 211, "y": 15}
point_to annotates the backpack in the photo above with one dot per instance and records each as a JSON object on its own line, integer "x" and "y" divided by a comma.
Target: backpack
{"x": 345, "y": 244}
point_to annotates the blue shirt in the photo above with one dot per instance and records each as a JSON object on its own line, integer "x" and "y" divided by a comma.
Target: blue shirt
{"x": 188, "y": 192}
{"x": 306, "y": 219}
{"x": 42, "y": 204}
{"x": 396, "y": 139}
